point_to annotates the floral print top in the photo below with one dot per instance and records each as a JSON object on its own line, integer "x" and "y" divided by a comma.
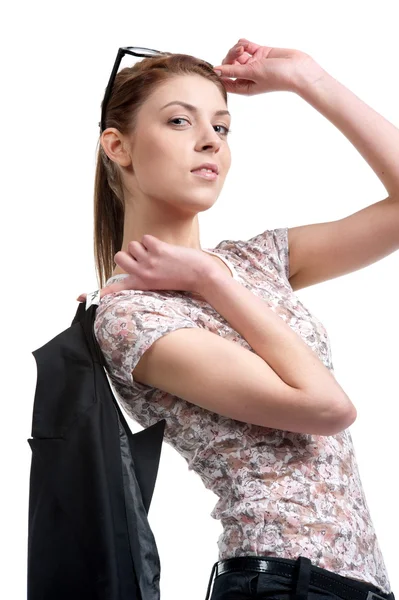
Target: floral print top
{"x": 280, "y": 493}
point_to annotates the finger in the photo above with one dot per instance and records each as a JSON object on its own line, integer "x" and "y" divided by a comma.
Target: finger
{"x": 232, "y": 54}
{"x": 150, "y": 242}
{"x": 267, "y": 51}
{"x": 126, "y": 261}
{"x": 239, "y": 86}
{"x": 250, "y": 47}
{"x": 114, "y": 288}
{"x": 233, "y": 71}
{"x": 119, "y": 286}
{"x": 242, "y": 59}
{"x": 137, "y": 250}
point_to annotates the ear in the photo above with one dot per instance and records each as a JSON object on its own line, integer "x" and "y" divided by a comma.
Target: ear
{"x": 115, "y": 146}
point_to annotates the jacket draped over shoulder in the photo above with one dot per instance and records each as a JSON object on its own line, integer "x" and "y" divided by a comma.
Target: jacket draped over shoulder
{"x": 91, "y": 479}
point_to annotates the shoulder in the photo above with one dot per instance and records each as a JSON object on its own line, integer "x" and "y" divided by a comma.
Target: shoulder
{"x": 131, "y": 306}
{"x": 271, "y": 239}
{"x": 127, "y": 323}
{"x": 269, "y": 248}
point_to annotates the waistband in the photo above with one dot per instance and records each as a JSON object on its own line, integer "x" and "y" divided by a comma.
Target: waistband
{"x": 300, "y": 573}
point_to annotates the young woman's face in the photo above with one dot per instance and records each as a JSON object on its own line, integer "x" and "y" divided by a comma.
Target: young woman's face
{"x": 168, "y": 143}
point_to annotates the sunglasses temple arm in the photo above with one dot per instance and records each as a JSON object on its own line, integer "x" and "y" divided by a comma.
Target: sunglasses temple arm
{"x": 118, "y": 59}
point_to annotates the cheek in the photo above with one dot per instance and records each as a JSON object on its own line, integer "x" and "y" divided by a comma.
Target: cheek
{"x": 167, "y": 161}
{"x": 159, "y": 170}
{"x": 151, "y": 160}
{"x": 228, "y": 159}
{"x": 157, "y": 152}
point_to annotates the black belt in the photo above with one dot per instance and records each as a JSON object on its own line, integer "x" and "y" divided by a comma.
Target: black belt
{"x": 301, "y": 574}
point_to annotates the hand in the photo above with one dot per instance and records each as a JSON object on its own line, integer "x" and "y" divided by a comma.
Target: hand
{"x": 157, "y": 265}
{"x": 261, "y": 69}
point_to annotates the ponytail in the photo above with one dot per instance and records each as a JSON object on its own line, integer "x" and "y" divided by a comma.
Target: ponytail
{"x": 108, "y": 216}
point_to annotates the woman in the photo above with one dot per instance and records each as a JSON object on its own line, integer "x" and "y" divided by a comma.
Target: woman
{"x": 269, "y": 436}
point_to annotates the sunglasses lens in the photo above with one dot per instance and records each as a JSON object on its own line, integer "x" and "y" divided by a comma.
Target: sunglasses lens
{"x": 146, "y": 51}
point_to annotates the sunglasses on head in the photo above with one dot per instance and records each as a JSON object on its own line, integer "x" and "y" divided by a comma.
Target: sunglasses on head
{"x": 134, "y": 51}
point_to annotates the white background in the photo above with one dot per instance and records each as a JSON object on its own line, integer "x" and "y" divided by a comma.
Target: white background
{"x": 290, "y": 166}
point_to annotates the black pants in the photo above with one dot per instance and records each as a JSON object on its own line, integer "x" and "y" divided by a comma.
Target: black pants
{"x": 245, "y": 579}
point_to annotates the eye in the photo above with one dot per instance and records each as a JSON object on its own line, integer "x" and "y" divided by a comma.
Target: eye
{"x": 227, "y": 129}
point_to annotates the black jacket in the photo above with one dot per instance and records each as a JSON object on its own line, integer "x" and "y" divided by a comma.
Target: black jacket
{"x": 91, "y": 480}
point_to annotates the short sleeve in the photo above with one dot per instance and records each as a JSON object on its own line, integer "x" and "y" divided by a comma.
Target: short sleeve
{"x": 271, "y": 246}
{"x": 280, "y": 240}
{"x": 128, "y": 323}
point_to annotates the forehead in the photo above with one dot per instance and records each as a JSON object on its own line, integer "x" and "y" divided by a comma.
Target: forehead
{"x": 192, "y": 89}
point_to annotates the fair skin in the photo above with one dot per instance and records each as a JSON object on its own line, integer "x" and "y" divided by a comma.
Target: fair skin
{"x": 162, "y": 197}
{"x": 361, "y": 238}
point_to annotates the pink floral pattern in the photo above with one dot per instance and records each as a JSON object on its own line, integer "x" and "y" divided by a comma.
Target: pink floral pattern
{"x": 279, "y": 493}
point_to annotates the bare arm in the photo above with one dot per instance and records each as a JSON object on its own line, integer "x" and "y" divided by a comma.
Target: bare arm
{"x": 280, "y": 383}
{"x": 279, "y": 346}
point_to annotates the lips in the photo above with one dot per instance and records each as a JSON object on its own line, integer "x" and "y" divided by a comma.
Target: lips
{"x": 212, "y": 166}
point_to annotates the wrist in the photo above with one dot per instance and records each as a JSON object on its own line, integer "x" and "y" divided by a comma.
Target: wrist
{"x": 308, "y": 75}
{"x": 209, "y": 277}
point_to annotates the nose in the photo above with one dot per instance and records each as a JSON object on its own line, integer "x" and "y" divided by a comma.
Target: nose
{"x": 210, "y": 139}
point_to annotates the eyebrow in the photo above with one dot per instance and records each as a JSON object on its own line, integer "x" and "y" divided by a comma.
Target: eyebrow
{"x": 194, "y": 109}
